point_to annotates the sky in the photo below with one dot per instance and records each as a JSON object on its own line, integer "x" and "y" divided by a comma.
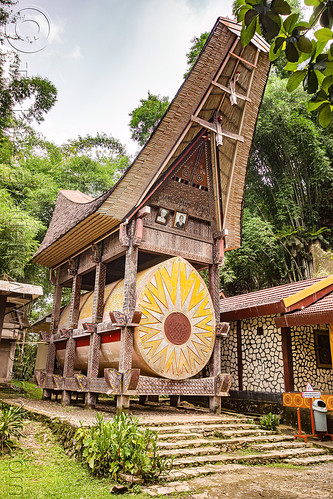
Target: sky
{"x": 104, "y": 55}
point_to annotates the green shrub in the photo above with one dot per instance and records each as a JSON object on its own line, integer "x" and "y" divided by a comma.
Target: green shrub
{"x": 111, "y": 448}
{"x": 270, "y": 421}
{"x": 11, "y": 424}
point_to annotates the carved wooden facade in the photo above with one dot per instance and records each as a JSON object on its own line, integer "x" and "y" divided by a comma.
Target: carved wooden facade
{"x": 181, "y": 197}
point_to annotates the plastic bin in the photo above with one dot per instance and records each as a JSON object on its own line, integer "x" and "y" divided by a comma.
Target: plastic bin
{"x": 319, "y": 414}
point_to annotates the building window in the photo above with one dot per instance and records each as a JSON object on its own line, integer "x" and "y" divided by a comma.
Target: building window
{"x": 323, "y": 349}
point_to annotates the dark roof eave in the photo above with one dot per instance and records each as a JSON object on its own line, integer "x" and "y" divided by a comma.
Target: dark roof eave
{"x": 306, "y": 319}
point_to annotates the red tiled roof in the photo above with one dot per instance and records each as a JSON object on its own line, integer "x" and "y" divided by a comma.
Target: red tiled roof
{"x": 264, "y": 302}
{"x": 320, "y": 312}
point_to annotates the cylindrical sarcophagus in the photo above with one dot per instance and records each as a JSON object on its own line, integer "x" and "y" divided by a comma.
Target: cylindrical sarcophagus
{"x": 176, "y": 334}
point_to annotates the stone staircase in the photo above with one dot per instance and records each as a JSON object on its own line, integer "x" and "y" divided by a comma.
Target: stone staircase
{"x": 205, "y": 444}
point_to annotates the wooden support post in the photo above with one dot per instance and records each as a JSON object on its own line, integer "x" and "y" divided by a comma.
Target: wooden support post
{"x": 50, "y": 360}
{"x": 75, "y": 301}
{"x": 3, "y": 301}
{"x": 56, "y": 305}
{"x": 215, "y": 360}
{"x": 93, "y": 364}
{"x": 143, "y": 399}
{"x": 68, "y": 371}
{"x": 95, "y": 339}
{"x": 287, "y": 360}
{"x": 127, "y": 332}
{"x": 98, "y": 305}
{"x": 174, "y": 400}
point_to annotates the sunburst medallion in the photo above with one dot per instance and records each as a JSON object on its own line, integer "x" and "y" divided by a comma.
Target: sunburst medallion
{"x": 177, "y": 329}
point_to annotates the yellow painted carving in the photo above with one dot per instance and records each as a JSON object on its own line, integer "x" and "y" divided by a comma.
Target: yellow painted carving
{"x": 175, "y": 288}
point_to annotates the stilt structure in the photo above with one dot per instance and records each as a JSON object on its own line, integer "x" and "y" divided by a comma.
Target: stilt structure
{"x": 141, "y": 320}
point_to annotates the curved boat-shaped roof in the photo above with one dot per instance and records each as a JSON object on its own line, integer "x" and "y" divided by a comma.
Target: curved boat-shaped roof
{"x": 205, "y": 92}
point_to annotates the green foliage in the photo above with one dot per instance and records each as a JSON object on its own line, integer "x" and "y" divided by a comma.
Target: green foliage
{"x": 11, "y": 424}
{"x": 290, "y": 177}
{"x": 259, "y": 261}
{"x": 31, "y": 173}
{"x": 120, "y": 446}
{"x": 18, "y": 236}
{"x": 270, "y": 421}
{"x": 145, "y": 118}
{"x": 195, "y": 49}
{"x": 30, "y": 390}
{"x": 34, "y": 94}
{"x": 307, "y": 46}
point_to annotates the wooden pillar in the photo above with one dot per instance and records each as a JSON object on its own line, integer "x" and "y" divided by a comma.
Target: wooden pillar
{"x": 174, "y": 400}
{"x": 98, "y": 305}
{"x": 287, "y": 360}
{"x": 56, "y": 306}
{"x": 95, "y": 338}
{"x": 239, "y": 356}
{"x": 127, "y": 332}
{"x": 93, "y": 364}
{"x": 75, "y": 301}
{"x": 50, "y": 360}
{"x": 68, "y": 366}
{"x": 215, "y": 360}
{"x": 3, "y": 301}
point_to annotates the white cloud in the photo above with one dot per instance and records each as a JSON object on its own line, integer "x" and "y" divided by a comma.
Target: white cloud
{"x": 77, "y": 53}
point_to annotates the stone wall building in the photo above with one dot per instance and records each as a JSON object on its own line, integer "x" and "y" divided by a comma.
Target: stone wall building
{"x": 280, "y": 339}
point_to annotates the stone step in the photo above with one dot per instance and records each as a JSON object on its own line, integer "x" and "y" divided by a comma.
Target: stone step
{"x": 259, "y": 458}
{"x": 202, "y": 428}
{"x": 208, "y": 469}
{"x": 188, "y": 451}
{"x": 214, "y": 450}
{"x": 227, "y": 443}
{"x": 224, "y": 434}
{"x": 306, "y": 461}
{"x": 285, "y": 445}
{"x": 197, "y": 421}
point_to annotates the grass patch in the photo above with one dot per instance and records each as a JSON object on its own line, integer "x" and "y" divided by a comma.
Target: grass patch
{"x": 283, "y": 465}
{"x": 31, "y": 391}
{"x": 44, "y": 471}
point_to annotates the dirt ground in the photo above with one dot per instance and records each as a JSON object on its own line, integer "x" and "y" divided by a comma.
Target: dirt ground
{"x": 262, "y": 482}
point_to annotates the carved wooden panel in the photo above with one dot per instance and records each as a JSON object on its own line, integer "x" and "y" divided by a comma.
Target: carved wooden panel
{"x": 176, "y": 243}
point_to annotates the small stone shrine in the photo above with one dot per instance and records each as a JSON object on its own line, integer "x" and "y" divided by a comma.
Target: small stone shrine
{"x": 141, "y": 320}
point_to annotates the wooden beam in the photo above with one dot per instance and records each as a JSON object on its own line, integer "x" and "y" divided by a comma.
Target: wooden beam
{"x": 211, "y": 126}
{"x": 312, "y": 290}
{"x": 215, "y": 360}
{"x": 98, "y": 304}
{"x": 75, "y": 301}
{"x": 287, "y": 360}
{"x": 228, "y": 91}
{"x": 243, "y": 60}
{"x": 232, "y": 170}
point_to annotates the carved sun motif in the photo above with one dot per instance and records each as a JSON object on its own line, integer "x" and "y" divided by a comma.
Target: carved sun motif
{"x": 177, "y": 329}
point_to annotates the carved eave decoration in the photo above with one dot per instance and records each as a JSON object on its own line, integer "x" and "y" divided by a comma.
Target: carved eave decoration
{"x": 219, "y": 100}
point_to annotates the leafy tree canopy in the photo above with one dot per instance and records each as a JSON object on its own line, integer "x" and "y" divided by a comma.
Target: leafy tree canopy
{"x": 146, "y": 117}
{"x": 307, "y": 45}
{"x": 195, "y": 49}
